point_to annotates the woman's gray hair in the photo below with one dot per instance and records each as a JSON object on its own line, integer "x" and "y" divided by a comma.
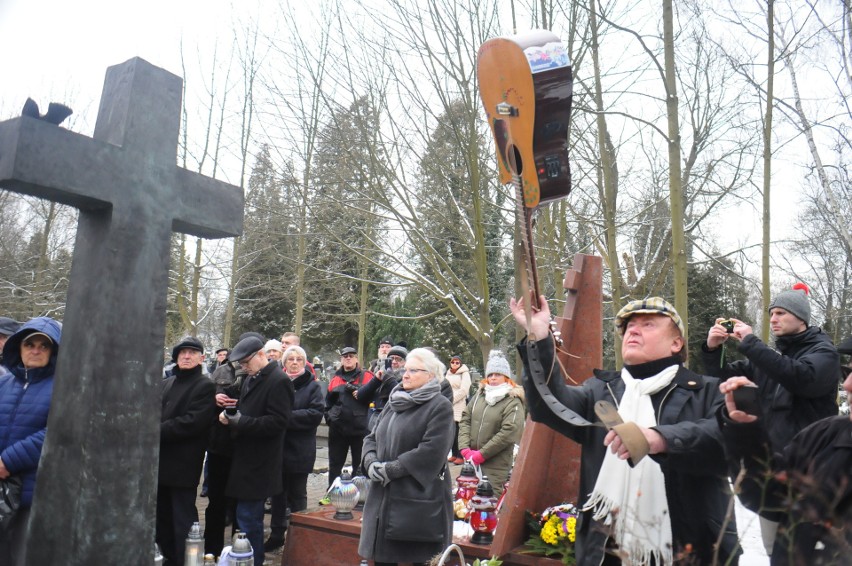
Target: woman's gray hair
{"x": 298, "y": 349}
{"x": 430, "y": 361}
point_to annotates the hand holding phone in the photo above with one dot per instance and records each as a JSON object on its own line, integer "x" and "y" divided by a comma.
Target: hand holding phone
{"x": 746, "y": 400}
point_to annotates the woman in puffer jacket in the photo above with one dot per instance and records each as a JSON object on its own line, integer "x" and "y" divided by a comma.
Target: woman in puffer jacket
{"x": 25, "y": 394}
{"x": 493, "y": 422}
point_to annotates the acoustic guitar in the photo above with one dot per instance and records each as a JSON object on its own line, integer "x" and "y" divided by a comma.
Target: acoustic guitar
{"x": 525, "y": 83}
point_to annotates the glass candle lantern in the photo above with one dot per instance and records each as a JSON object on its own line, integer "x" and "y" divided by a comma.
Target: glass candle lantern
{"x": 363, "y": 485}
{"x": 344, "y": 497}
{"x": 194, "y": 550}
{"x": 483, "y": 513}
{"x": 466, "y": 484}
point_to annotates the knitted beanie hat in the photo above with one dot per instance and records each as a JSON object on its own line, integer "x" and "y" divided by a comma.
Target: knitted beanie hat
{"x": 794, "y": 301}
{"x": 497, "y": 363}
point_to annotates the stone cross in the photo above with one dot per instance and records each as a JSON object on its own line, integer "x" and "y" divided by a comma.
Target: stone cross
{"x": 97, "y": 482}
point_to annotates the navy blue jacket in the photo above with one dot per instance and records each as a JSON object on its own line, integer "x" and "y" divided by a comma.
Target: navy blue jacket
{"x": 24, "y": 403}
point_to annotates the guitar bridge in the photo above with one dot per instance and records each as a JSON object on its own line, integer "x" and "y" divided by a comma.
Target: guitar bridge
{"x": 506, "y": 109}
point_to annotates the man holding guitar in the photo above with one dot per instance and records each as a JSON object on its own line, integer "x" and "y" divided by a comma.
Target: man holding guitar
{"x": 669, "y": 506}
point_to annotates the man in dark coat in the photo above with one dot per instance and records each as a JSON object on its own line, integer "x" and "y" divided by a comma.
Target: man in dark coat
{"x": 257, "y": 426}
{"x": 300, "y": 445}
{"x": 671, "y": 505}
{"x": 189, "y": 409}
{"x": 345, "y": 414}
{"x": 377, "y": 391}
{"x": 227, "y": 379}
{"x": 25, "y": 396}
{"x": 797, "y": 384}
{"x": 805, "y": 488}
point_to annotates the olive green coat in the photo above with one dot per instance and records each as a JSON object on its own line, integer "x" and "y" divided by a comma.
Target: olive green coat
{"x": 494, "y": 430}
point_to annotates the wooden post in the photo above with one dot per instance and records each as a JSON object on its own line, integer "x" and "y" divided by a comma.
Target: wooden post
{"x": 547, "y": 470}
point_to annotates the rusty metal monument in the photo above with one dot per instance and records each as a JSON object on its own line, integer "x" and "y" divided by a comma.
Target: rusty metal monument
{"x": 97, "y": 482}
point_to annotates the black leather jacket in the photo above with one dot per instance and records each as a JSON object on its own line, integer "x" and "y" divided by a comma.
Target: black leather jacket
{"x": 694, "y": 466}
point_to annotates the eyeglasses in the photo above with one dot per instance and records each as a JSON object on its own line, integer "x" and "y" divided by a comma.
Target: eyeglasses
{"x": 414, "y": 370}
{"x": 455, "y": 363}
{"x": 348, "y": 356}
{"x": 247, "y": 360}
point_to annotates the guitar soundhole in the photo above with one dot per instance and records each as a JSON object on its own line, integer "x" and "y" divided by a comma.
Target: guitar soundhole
{"x": 516, "y": 163}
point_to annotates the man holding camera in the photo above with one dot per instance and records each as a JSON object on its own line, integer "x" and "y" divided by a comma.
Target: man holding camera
{"x": 345, "y": 414}
{"x": 257, "y": 424}
{"x": 796, "y": 385}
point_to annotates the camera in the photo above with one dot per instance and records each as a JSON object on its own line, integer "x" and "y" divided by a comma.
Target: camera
{"x": 728, "y": 325}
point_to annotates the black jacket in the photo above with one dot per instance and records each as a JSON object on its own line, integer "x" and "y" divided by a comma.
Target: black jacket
{"x": 266, "y": 403}
{"x": 228, "y": 379}
{"x": 809, "y": 490}
{"x": 344, "y": 413}
{"x": 300, "y": 442}
{"x": 376, "y": 392}
{"x": 694, "y": 467}
{"x": 189, "y": 409}
{"x": 798, "y": 386}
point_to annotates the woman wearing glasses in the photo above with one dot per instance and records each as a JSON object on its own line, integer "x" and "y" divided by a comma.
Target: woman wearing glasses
{"x": 408, "y": 514}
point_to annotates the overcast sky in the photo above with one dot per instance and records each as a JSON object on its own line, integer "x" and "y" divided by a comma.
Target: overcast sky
{"x": 58, "y": 50}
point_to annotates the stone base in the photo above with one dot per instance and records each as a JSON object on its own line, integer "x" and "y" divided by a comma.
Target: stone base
{"x": 316, "y": 539}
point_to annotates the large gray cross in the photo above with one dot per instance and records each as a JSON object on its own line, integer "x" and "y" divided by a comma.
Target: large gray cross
{"x": 97, "y": 481}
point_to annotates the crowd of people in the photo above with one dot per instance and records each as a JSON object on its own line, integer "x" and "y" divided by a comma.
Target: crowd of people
{"x": 655, "y": 483}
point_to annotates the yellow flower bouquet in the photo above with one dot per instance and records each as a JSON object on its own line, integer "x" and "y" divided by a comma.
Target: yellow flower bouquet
{"x": 553, "y": 532}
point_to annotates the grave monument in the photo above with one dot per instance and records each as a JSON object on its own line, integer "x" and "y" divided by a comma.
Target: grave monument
{"x": 97, "y": 482}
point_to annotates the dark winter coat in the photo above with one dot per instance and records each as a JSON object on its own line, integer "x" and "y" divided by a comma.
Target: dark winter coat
{"x": 300, "y": 442}
{"x": 266, "y": 402}
{"x": 418, "y": 439}
{"x": 693, "y": 466}
{"x": 228, "y": 379}
{"x": 25, "y": 397}
{"x": 494, "y": 430}
{"x": 377, "y": 391}
{"x": 344, "y": 413}
{"x": 797, "y": 386}
{"x": 814, "y": 504}
{"x": 189, "y": 409}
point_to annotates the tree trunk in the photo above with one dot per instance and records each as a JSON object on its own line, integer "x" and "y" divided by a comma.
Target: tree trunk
{"x": 608, "y": 176}
{"x": 43, "y": 261}
{"x": 767, "y": 167}
{"x": 675, "y": 181}
{"x": 196, "y": 282}
{"x": 232, "y": 294}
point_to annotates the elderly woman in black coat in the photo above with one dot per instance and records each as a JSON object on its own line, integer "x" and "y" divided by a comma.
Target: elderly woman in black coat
{"x": 408, "y": 513}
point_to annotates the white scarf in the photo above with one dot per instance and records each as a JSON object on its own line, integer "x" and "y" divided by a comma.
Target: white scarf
{"x": 494, "y": 393}
{"x": 633, "y": 500}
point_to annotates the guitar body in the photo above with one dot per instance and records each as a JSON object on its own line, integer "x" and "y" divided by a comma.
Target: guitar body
{"x": 525, "y": 83}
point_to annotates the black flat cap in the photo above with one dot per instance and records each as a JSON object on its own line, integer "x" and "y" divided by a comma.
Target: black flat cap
{"x": 245, "y": 348}
{"x": 348, "y": 350}
{"x": 187, "y": 342}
